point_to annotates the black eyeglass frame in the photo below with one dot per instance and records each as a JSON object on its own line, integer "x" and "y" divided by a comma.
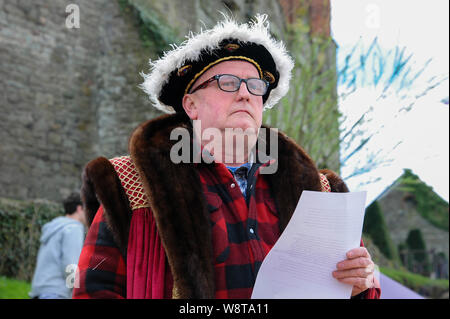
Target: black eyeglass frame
{"x": 218, "y": 76}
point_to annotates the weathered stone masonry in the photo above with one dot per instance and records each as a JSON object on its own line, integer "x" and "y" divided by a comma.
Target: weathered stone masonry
{"x": 69, "y": 95}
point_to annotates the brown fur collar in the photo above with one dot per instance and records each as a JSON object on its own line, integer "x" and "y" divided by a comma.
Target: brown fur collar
{"x": 180, "y": 211}
{"x": 174, "y": 192}
{"x": 102, "y": 185}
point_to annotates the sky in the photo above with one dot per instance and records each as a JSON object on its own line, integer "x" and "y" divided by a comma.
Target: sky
{"x": 422, "y": 28}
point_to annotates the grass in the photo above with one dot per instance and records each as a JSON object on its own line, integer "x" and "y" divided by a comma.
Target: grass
{"x": 18, "y": 289}
{"x": 13, "y": 288}
{"x": 432, "y": 288}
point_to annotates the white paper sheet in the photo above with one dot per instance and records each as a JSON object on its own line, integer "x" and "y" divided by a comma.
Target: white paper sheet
{"x": 322, "y": 229}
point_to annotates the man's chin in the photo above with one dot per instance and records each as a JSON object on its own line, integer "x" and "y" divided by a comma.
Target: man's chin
{"x": 242, "y": 123}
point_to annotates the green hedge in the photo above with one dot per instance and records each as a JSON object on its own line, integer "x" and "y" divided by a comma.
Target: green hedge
{"x": 418, "y": 253}
{"x": 21, "y": 223}
{"x": 430, "y": 288}
{"x": 375, "y": 227}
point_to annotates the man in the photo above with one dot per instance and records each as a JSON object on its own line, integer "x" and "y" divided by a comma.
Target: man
{"x": 162, "y": 227}
{"x": 61, "y": 244}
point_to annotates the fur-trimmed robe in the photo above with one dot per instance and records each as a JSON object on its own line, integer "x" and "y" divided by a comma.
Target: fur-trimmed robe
{"x": 175, "y": 195}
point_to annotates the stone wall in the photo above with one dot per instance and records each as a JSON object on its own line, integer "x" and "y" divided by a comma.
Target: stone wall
{"x": 193, "y": 15}
{"x": 67, "y": 95}
{"x": 70, "y": 95}
{"x": 401, "y": 216}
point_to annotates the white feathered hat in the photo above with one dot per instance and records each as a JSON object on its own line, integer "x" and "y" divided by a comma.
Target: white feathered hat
{"x": 172, "y": 76}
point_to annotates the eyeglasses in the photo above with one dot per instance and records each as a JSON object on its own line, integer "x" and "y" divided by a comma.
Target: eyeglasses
{"x": 232, "y": 83}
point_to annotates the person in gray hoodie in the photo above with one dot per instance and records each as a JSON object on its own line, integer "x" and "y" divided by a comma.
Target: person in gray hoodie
{"x": 61, "y": 243}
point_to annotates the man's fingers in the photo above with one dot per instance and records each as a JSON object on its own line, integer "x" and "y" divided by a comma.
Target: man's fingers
{"x": 357, "y": 272}
{"x": 358, "y": 252}
{"x": 361, "y": 262}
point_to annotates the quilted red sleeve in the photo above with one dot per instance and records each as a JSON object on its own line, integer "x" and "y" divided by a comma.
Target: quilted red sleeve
{"x": 101, "y": 267}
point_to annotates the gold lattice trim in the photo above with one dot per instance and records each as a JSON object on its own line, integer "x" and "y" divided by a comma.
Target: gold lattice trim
{"x": 324, "y": 183}
{"x": 130, "y": 181}
{"x": 132, "y": 185}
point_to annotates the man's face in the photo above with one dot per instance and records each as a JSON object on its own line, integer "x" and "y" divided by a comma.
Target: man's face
{"x": 218, "y": 109}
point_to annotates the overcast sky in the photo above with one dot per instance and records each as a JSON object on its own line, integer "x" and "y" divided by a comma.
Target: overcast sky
{"x": 423, "y": 28}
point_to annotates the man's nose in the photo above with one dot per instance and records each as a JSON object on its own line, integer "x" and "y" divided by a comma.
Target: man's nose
{"x": 243, "y": 91}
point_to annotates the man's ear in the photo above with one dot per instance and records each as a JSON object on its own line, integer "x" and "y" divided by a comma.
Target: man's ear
{"x": 190, "y": 106}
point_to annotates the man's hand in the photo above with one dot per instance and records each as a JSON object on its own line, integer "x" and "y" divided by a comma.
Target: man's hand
{"x": 356, "y": 270}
